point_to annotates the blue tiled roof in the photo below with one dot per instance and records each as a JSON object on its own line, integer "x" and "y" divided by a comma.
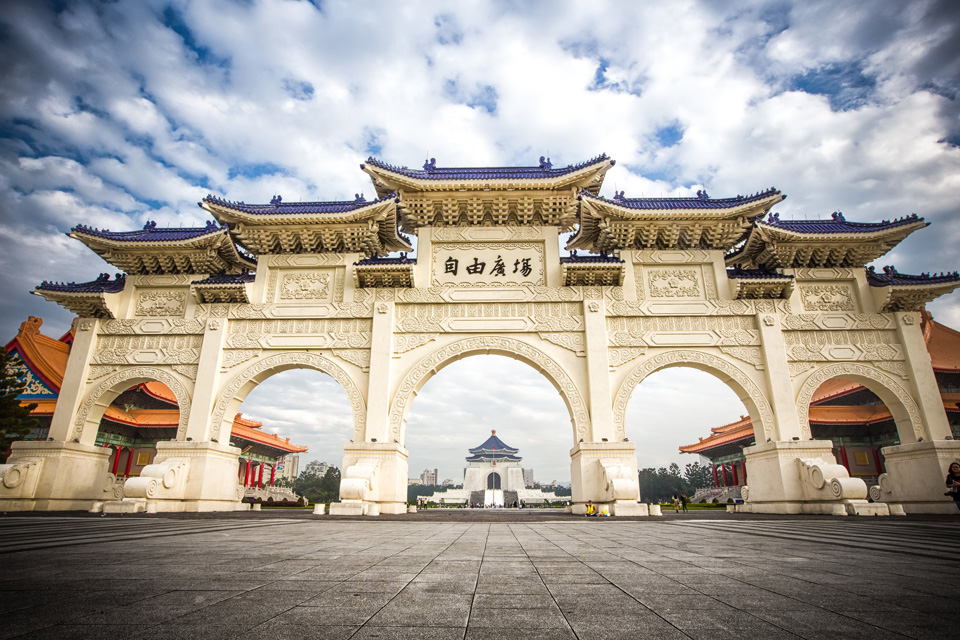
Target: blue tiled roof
{"x": 573, "y": 258}
{"x": 150, "y": 233}
{"x": 739, "y": 272}
{"x": 103, "y": 284}
{"x": 493, "y": 444}
{"x": 494, "y": 456}
{"x": 277, "y": 206}
{"x": 700, "y": 201}
{"x": 891, "y": 276}
{"x": 379, "y": 260}
{"x": 837, "y": 224}
{"x": 224, "y": 278}
{"x": 431, "y": 171}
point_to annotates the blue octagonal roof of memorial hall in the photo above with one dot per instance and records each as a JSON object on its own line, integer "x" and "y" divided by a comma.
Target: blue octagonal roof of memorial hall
{"x": 277, "y": 206}
{"x": 103, "y": 284}
{"x": 430, "y": 171}
{"x": 493, "y": 448}
{"x": 892, "y": 277}
{"x": 700, "y": 201}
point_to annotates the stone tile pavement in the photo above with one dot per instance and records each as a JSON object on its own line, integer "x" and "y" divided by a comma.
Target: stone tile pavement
{"x": 268, "y": 576}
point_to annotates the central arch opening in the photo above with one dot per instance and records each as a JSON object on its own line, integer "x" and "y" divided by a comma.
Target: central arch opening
{"x": 489, "y": 430}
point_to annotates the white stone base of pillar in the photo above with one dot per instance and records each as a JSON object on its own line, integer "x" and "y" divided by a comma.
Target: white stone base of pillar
{"x": 605, "y": 473}
{"x": 348, "y": 508}
{"x": 628, "y": 508}
{"x": 915, "y": 476}
{"x": 56, "y": 476}
{"x": 374, "y": 480}
{"x": 801, "y": 477}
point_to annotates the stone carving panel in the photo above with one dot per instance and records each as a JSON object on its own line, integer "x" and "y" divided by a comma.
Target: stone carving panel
{"x": 839, "y": 370}
{"x": 762, "y": 414}
{"x": 456, "y": 234}
{"x": 319, "y": 333}
{"x": 674, "y": 283}
{"x": 540, "y": 316}
{"x": 640, "y": 331}
{"x": 836, "y": 321}
{"x": 750, "y": 355}
{"x": 233, "y": 357}
{"x": 161, "y": 303}
{"x": 828, "y": 297}
{"x": 114, "y": 382}
{"x": 152, "y": 327}
{"x": 148, "y": 349}
{"x": 824, "y": 346}
{"x": 305, "y": 286}
{"x": 357, "y": 357}
{"x": 619, "y": 357}
{"x": 282, "y": 361}
{"x": 429, "y": 365}
{"x": 403, "y": 342}
{"x": 572, "y": 341}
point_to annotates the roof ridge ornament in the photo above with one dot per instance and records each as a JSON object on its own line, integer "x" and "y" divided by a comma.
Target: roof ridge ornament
{"x": 150, "y": 225}
{"x": 276, "y": 200}
{"x": 702, "y": 195}
{"x": 545, "y": 163}
{"x": 430, "y": 165}
{"x": 838, "y": 216}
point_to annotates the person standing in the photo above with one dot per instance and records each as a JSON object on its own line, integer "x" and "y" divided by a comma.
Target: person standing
{"x": 953, "y": 482}
{"x": 684, "y": 500}
{"x": 676, "y": 504}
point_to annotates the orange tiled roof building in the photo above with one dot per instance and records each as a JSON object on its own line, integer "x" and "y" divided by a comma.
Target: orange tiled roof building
{"x": 850, "y": 415}
{"x": 138, "y": 418}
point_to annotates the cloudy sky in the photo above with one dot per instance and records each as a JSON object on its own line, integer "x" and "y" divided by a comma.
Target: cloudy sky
{"x": 113, "y": 114}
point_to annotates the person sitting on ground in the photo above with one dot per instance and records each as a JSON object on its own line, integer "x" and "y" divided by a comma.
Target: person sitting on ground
{"x": 590, "y": 508}
{"x": 953, "y": 482}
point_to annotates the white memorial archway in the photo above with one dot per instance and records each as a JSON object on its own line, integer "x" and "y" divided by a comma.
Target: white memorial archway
{"x": 772, "y": 307}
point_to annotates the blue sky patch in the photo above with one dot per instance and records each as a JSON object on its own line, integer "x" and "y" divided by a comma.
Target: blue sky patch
{"x": 669, "y": 136}
{"x": 845, "y": 85}
{"x": 255, "y": 170}
{"x": 448, "y": 31}
{"x": 173, "y": 19}
{"x": 298, "y": 89}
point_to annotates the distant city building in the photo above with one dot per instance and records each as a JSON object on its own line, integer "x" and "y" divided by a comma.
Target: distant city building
{"x": 428, "y": 477}
{"x": 317, "y": 468}
{"x": 288, "y": 467}
{"x": 448, "y": 482}
{"x": 528, "y": 478}
{"x": 413, "y": 481}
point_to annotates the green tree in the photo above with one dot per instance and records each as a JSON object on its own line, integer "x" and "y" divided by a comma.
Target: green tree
{"x": 15, "y": 419}
{"x": 325, "y": 488}
{"x": 698, "y": 476}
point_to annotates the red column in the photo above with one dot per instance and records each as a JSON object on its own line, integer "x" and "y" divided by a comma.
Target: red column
{"x": 129, "y": 462}
{"x": 273, "y": 472}
{"x": 246, "y": 479}
{"x": 877, "y": 460}
{"x": 716, "y": 480}
{"x": 723, "y": 467}
{"x": 116, "y": 461}
{"x": 743, "y": 468}
{"x": 733, "y": 471}
{"x": 843, "y": 458}
{"x": 260, "y": 477}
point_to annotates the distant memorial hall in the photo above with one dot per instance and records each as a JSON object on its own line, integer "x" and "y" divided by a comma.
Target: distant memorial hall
{"x": 774, "y": 308}
{"x": 493, "y": 478}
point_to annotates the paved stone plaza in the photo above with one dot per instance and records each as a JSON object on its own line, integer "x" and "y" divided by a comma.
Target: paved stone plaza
{"x": 453, "y": 575}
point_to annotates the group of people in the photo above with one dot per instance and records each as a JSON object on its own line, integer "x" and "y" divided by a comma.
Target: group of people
{"x": 680, "y": 502}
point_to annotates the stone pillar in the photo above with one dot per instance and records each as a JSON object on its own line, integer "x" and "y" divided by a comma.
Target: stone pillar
{"x": 208, "y": 381}
{"x": 74, "y": 383}
{"x": 923, "y": 382}
{"x": 598, "y": 372}
{"x": 915, "y": 476}
{"x": 374, "y": 471}
{"x": 777, "y": 372}
{"x": 606, "y": 473}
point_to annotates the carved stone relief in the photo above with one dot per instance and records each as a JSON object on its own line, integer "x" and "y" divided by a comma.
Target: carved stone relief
{"x": 148, "y": 349}
{"x": 750, "y": 355}
{"x": 762, "y": 413}
{"x": 619, "y": 357}
{"x": 403, "y": 342}
{"x": 540, "y": 316}
{"x": 165, "y": 326}
{"x": 157, "y": 303}
{"x": 305, "y": 286}
{"x": 282, "y": 361}
{"x": 432, "y": 363}
{"x": 233, "y": 357}
{"x": 828, "y": 297}
{"x": 572, "y": 341}
{"x": 674, "y": 283}
{"x": 454, "y": 234}
{"x": 357, "y": 357}
{"x": 823, "y": 346}
{"x": 839, "y": 370}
